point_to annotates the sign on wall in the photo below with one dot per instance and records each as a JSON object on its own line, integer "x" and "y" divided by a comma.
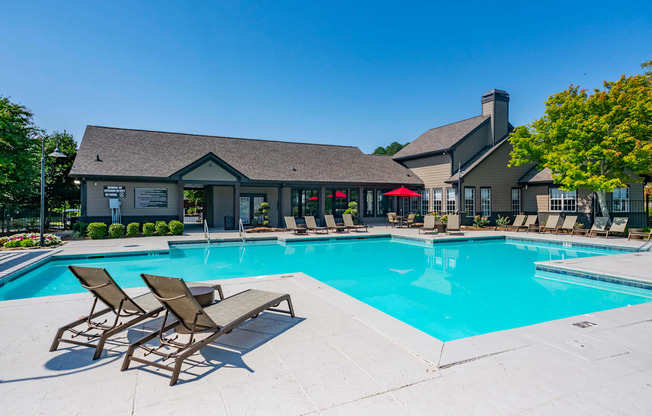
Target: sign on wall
{"x": 114, "y": 191}
{"x": 150, "y": 197}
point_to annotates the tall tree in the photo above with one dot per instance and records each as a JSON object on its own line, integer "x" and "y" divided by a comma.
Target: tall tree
{"x": 598, "y": 140}
{"x": 390, "y": 150}
{"x": 18, "y": 165}
{"x": 59, "y": 186}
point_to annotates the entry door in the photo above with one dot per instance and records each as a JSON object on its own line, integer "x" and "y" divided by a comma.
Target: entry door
{"x": 249, "y": 203}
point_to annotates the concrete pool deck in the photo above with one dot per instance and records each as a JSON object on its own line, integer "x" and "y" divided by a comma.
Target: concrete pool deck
{"x": 339, "y": 356}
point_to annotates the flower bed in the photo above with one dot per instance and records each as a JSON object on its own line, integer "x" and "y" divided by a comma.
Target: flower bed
{"x": 29, "y": 240}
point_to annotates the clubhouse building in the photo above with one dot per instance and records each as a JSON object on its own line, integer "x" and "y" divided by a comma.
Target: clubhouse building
{"x": 461, "y": 168}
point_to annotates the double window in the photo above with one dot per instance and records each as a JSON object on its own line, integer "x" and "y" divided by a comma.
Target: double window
{"x": 621, "y": 200}
{"x": 450, "y": 200}
{"x": 565, "y": 201}
{"x": 305, "y": 202}
{"x": 436, "y": 200}
{"x": 485, "y": 201}
{"x": 516, "y": 201}
{"x": 469, "y": 201}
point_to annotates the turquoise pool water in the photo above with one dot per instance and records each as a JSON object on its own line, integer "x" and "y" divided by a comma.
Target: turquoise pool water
{"x": 448, "y": 290}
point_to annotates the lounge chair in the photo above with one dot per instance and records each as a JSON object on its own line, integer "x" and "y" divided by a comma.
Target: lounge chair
{"x": 331, "y": 225}
{"x": 453, "y": 225}
{"x": 551, "y": 224}
{"x": 410, "y": 219}
{"x": 618, "y": 226}
{"x": 568, "y": 224}
{"x": 529, "y": 223}
{"x": 429, "y": 225}
{"x": 600, "y": 224}
{"x": 518, "y": 221}
{"x": 391, "y": 219}
{"x": 348, "y": 223}
{"x": 106, "y": 290}
{"x": 291, "y": 225}
{"x": 217, "y": 319}
{"x": 311, "y": 225}
{"x": 640, "y": 233}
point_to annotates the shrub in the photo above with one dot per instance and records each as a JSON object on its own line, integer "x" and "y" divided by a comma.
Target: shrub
{"x": 502, "y": 221}
{"x": 116, "y": 230}
{"x": 162, "y": 228}
{"x": 263, "y": 212}
{"x": 28, "y": 242}
{"x": 3, "y": 240}
{"x": 176, "y": 227}
{"x": 133, "y": 229}
{"x": 480, "y": 222}
{"x": 96, "y": 230}
{"x": 353, "y": 210}
{"x": 148, "y": 229}
{"x": 12, "y": 243}
{"x": 80, "y": 228}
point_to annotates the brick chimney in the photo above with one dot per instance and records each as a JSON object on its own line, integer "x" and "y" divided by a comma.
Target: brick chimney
{"x": 495, "y": 103}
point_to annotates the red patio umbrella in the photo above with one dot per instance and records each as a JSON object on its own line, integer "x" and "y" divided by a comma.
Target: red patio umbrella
{"x": 402, "y": 191}
{"x": 338, "y": 194}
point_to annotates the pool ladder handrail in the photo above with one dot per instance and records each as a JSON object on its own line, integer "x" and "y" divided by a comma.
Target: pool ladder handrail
{"x": 207, "y": 233}
{"x": 241, "y": 230}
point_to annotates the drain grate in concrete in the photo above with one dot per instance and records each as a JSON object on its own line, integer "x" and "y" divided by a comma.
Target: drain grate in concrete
{"x": 585, "y": 324}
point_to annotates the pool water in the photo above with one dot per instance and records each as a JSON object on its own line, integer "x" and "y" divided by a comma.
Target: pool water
{"x": 448, "y": 290}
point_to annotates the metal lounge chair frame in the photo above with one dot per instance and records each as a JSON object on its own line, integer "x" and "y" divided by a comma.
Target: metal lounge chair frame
{"x": 640, "y": 234}
{"x": 453, "y": 227}
{"x": 311, "y": 225}
{"x": 332, "y": 225}
{"x": 599, "y": 224}
{"x": 618, "y": 226}
{"x": 531, "y": 220}
{"x": 518, "y": 221}
{"x": 568, "y": 224}
{"x": 429, "y": 225}
{"x": 103, "y": 288}
{"x": 179, "y": 302}
{"x": 348, "y": 223}
{"x": 552, "y": 224}
{"x": 291, "y": 224}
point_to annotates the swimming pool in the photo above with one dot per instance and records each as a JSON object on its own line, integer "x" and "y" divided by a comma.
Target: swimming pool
{"x": 449, "y": 290}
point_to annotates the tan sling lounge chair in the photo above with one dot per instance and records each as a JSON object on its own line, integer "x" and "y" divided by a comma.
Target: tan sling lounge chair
{"x": 518, "y": 221}
{"x": 453, "y": 225}
{"x": 643, "y": 234}
{"x": 529, "y": 223}
{"x": 332, "y": 225}
{"x": 348, "y": 223}
{"x": 551, "y": 224}
{"x": 216, "y": 319}
{"x": 600, "y": 224}
{"x": 106, "y": 290}
{"x": 429, "y": 225}
{"x": 311, "y": 224}
{"x": 618, "y": 226}
{"x": 568, "y": 224}
{"x": 291, "y": 225}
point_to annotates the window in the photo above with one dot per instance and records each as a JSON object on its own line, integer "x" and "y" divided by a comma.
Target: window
{"x": 305, "y": 202}
{"x": 485, "y": 201}
{"x": 383, "y": 203}
{"x": 425, "y": 201}
{"x": 516, "y": 201}
{"x": 621, "y": 200}
{"x": 563, "y": 200}
{"x": 414, "y": 204}
{"x": 436, "y": 200}
{"x": 369, "y": 203}
{"x": 469, "y": 201}
{"x": 450, "y": 200}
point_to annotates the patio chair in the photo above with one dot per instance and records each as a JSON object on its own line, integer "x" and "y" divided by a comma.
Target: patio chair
{"x": 551, "y": 224}
{"x": 106, "y": 290}
{"x": 217, "y": 319}
{"x": 391, "y": 219}
{"x": 429, "y": 225}
{"x": 348, "y": 223}
{"x": 332, "y": 225}
{"x": 600, "y": 224}
{"x": 518, "y": 221}
{"x": 410, "y": 219}
{"x": 640, "y": 233}
{"x": 453, "y": 225}
{"x": 311, "y": 225}
{"x": 529, "y": 223}
{"x": 291, "y": 225}
{"x": 568, "y": 224}
{"x": 618, "y": 226}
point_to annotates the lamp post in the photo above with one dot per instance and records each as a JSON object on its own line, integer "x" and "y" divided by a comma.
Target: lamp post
{"x": 56, "y": 153}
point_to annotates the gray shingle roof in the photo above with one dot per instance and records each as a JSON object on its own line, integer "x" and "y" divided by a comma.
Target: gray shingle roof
{"x": 154, "y": 154}
{"x": 441, "y": 138}
{"x": 534, "y": 176}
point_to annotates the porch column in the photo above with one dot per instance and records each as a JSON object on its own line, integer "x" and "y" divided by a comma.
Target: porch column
{"x": 361, "y": 205}
{"x": 395, "y": 204}
{"x": 322, "y": 205}
{"x": 280, "y": 206}
{"x": 236, "y": 205}
{"x": 180, "y": 198}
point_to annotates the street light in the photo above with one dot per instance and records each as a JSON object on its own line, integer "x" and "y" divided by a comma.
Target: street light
{"x": 56, "y": 153}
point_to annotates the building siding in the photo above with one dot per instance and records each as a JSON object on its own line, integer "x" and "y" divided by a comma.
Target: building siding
{"x": 222, "y": 204}
{"x": 209, "y": 171}
{"x": 433, "y": 171}
{"x": 98, "y": 206}
{"x": 472, "y": 145}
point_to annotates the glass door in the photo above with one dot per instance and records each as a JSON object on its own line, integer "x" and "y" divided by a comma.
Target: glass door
{"x": 249, "y": 204}
{"x": 245, "y": 210}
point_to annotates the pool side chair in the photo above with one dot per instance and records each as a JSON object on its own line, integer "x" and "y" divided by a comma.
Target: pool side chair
{"x": 119, "y": 306}
{"x": 646, "y": 236}
{"x": 332, "y": 225}
{"x": 216, "y": 320}
{"x": 409, "y": 221}
{"x": 429, "y": 225}
{"x": 599, "y": 224}
{"x": 311, "y": 224}
{"x": 552, "y": 224}
{"x": 518, "y": 221}
{"x": 453, "y": 225}
{"x": 348, "y": 223}
{"x": 530, "y": 223}
{"x": 568, "y": 225}
{"x": 291, "y": 225}
{"x": 391, "y": 219}
{"x": 618, "y": 226}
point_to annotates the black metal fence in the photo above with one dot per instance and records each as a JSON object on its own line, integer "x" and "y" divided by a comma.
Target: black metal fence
{"x": 16, "y": 218}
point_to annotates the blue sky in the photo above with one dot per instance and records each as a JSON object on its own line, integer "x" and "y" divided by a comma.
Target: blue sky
{"x": 352, "y": 73}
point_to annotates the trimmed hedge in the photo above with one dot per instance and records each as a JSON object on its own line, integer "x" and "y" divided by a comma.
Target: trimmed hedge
{"x": 97, "y": 230}
{"x": 148, "y": 229}
{"x": 176, "y": 227}
{"x": 80, "y": 227}
{"x": 116, "y": 230}
{"x": 133, "y": 229}
{"x": 162, "y": 228}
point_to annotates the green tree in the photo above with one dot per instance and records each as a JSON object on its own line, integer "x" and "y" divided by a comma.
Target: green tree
{"x": 598, "y": 140}
{"x": 390, "y": 150}
{"x": 60, "y": 189}
{"x": 18, "y": 164}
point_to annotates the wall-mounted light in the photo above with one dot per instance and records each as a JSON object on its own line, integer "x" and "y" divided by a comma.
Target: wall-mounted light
{"x": 95, "y": 183}
{"x": 77, "y": 182}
